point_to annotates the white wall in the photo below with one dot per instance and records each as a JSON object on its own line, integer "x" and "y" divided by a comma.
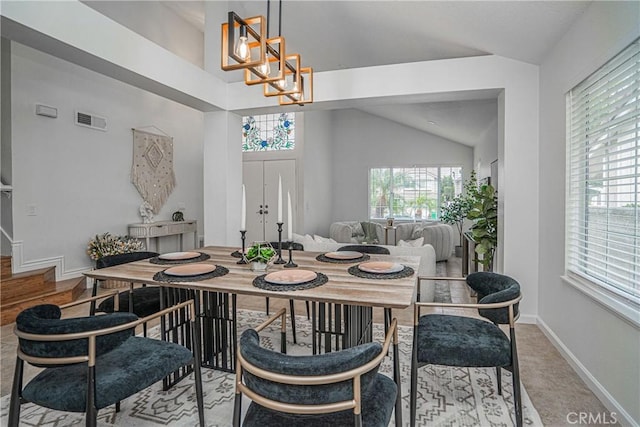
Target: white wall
{"x": 362, "y": 141}
{"x": 158, "y": 23}
{"x": 317, "y": 173}
{"x": 6, "y": 221}
{"x": 486, "y": 151}
{"x": 78, "y": 179}
{"x": 604, "y": 348}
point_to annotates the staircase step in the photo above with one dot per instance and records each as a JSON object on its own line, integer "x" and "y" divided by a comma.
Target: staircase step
{"x": 63, "y": 292}
{"x": 29, "y": 283}
{"x": 5, "y": 267}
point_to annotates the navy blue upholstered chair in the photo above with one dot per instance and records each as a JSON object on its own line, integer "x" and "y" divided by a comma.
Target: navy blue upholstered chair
{"x": 142, "y": 301}
{"x": 451, "y": 340}
{"x": 294, "y": 247}
{"x": 93, "y": 362}
{"x": 366, "y": 249}
{"x": 333, "y": 389}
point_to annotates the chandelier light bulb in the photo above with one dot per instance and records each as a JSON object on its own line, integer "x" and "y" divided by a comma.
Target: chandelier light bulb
{"x": 242, "y": 47}
{"x": 265, "y": 68}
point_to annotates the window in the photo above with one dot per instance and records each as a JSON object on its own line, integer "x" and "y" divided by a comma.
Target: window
{"x": 603, "y": 177}
{"x": 269, "y": 132}
{"x": 414, "y": 193}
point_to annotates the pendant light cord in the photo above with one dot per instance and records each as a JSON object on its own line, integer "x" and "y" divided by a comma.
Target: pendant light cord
{"x": 280, "y": 19}
{"x": 268, "y": 16}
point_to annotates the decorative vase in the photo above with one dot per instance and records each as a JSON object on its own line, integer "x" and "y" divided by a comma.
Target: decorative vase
{"x": 258, "y": 266}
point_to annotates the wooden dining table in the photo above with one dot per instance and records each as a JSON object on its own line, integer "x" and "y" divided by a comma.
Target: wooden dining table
{"x": 342, "y": 287}
{"x": 344, "y": 294}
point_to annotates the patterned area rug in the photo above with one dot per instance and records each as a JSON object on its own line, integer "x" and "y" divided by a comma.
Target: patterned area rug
{"x": 447, "y": 396}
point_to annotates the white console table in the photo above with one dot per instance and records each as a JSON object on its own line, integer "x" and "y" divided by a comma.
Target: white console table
{"x": 164, "y": 228}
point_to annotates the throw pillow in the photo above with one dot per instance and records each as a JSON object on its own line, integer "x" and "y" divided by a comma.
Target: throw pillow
{"x": 356, "y": 230}
{"x": 321, "y": 239}
{"x": 303, "y": 240}
{"x": 370, "y": 233}
{"x": 412, "y": 243}
{"x": 417, "y": 232}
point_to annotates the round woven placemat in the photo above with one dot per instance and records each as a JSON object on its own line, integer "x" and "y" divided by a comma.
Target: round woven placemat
{"x": 159, "y": 261}
{"x": 161, "y": 276}
{"x": 259, "y": 282}
{"x": 405, "y": 272}
{"x": 323, "y": 258}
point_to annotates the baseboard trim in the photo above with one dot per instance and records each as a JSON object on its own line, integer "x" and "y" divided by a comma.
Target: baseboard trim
{"x": 21, "y": 266}
{"x": 594, "y": 385}
{"x": 528, "y": 319}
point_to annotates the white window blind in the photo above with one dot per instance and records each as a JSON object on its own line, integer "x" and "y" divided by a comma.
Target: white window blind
{"x": 603, "y": 176}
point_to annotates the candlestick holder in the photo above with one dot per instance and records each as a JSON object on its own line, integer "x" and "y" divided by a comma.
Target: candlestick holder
{"x": 243, "y": 260}
{"x": 290, "y": 264}
{"x": 279, "y": 260}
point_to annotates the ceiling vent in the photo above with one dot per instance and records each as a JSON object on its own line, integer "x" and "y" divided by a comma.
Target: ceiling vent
{"x": 91, "y": 121}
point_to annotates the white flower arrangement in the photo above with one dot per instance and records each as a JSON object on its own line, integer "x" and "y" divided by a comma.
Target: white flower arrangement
{"x": 107, "y": 244}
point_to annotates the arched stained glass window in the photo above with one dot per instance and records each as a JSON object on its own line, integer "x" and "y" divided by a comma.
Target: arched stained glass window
{"x": 268, "y": 132}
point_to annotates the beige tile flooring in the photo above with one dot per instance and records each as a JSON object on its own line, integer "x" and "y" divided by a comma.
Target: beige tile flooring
{"x": 554, "y": 388}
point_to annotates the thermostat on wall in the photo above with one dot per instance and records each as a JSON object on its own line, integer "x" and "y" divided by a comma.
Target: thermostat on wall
{"x": 45, "y": 110}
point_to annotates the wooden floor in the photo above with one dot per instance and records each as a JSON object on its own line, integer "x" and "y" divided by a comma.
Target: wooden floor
{"x": 554, "y": 388}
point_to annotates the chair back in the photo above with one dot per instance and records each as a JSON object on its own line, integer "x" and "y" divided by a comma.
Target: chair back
{"x": 111, "y": 260}
{"x": 45, "y": 320}
{"x": 494, "y": 288}
{"x": 285, "y": 246}
{"x": 366, "y": 249}
{"x": 316, "y": 365}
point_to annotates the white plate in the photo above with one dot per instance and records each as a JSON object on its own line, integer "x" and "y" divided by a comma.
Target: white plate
{"x": 290, "y": 277}
{"x": 381, "y": 267}
{"x": 190, "y": 269}
{"x": 344, "y": 255}
{"x": 175, "y": 256}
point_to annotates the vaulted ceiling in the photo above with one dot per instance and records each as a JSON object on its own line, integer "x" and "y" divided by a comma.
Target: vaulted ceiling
{"x": 332, "y": 35}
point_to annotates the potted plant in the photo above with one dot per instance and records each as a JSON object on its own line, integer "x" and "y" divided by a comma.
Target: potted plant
{"x": 456, "y": 210}
{"x": 107, "y": 244}
{"x": 484, "y": 213}
{"x": 260, "y": 254}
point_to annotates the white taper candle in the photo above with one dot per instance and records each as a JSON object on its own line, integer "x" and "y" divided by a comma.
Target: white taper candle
{"x": 289, "y": 219}
{"x": 279, "y": 198}
{"x": 243, "y": 214}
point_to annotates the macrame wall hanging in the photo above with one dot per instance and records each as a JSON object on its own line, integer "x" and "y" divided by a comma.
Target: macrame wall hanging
{"x": 152, "y": 169}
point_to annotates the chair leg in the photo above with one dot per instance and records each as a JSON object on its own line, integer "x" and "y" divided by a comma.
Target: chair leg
{"x": 266, "y": 301}
{"x": 197, "y": 357}
{"x": 94, "y": 292}
{"x": 118, "y": 406}
{"x": 414, "y": 379}
{"x": 237, "y": 410}
{"x": 517, "y": 397}
{"x": 499, "y": 379}
{"x": 144, "y": 330}
{"x": 16, "y": 394}
{"x": 91, "y": 414}
{"x": 293, "y": 320}
{"x": 308, "y": 312}
{"x": 197, "y": 375}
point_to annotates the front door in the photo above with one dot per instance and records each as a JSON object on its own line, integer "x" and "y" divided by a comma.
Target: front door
{"x": 261, "y": 185}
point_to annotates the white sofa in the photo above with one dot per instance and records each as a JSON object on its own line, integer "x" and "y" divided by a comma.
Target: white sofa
{"x": 439, "y": 235}
{"x": 427, "y": 266}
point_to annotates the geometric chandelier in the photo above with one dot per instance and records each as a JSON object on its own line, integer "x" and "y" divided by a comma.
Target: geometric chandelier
{"x": 246, "y": 46}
